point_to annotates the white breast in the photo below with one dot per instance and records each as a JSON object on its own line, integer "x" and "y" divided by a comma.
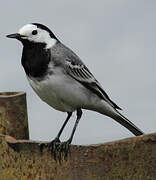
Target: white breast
{"x": 59, "y": 92}
{"x": 63, "y": 93}
{"x": 48, "y": 92}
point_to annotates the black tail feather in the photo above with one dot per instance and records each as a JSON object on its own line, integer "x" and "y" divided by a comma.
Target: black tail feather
{"x": 127, "y": 124}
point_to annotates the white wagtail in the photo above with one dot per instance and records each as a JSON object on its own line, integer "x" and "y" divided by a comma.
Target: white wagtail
{"x": 62, "y": 80}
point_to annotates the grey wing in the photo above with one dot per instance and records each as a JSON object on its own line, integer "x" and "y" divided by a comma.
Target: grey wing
{"x": 77, "y": 70}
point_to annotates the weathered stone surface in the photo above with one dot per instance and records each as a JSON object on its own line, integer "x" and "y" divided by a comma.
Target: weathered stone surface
{"x": 128, "y": 159}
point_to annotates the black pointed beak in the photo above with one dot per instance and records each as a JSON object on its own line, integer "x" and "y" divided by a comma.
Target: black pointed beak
{"x": 15, "y": 36}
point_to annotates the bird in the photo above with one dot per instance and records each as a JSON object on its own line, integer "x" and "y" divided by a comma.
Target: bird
{"x": 63, "y": 81}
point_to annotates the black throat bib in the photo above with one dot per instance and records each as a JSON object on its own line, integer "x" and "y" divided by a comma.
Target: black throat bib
{"x": 35, "y": 59}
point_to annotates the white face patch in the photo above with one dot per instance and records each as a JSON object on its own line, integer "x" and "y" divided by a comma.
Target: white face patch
{"x": 42, "y": 36}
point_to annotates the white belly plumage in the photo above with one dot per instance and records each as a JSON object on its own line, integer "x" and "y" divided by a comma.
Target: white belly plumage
{"x": 62, "y": 93}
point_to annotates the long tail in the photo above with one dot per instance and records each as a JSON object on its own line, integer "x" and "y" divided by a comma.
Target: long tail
{"x": 128, "y": 124}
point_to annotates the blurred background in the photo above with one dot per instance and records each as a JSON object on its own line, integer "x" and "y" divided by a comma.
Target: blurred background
{"x": 115, "y": 39}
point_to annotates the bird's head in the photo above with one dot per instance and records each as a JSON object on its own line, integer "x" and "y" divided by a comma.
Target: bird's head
{"x": 35, "y": 33}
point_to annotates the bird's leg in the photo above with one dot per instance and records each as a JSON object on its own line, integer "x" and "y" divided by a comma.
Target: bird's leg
{"x": 53, "y": 145}
{"x": 64, "y": 146}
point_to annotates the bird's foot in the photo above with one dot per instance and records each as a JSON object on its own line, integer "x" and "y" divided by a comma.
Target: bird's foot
{"x": 64, "y": 149}
{"x": 59, "y": 150}
{"x": 53, "y": 147}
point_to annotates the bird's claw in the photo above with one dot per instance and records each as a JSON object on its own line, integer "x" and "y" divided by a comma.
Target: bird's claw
{"x": 59, "y": 150}
{"x": 53, "y": 147}
{"x": 64, "y": 149}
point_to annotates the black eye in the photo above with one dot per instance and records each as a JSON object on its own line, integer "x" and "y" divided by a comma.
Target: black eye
{"x": 34, "y": 32}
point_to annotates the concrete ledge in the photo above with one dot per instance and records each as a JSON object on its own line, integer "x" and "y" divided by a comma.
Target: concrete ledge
{"x": 127, "y": 159}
